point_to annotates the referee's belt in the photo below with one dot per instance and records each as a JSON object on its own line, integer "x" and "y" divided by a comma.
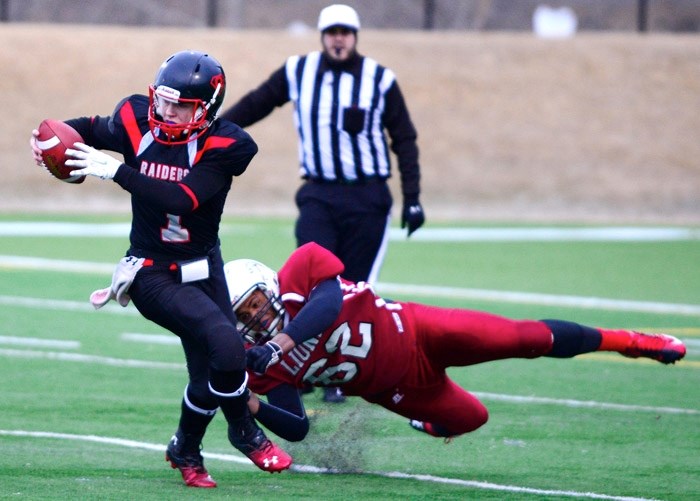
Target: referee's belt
{"x": 347, "y": 182}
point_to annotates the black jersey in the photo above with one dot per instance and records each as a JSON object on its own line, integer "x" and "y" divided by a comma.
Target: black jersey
{"x": 177, "y": 191}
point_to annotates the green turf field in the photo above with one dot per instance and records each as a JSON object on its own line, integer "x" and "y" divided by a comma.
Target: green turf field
{"x": 90, "y": 398}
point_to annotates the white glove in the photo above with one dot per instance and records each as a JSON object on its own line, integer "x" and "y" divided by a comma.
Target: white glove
{"x": 91, "y": 162}
{"x": 122, "y": 278}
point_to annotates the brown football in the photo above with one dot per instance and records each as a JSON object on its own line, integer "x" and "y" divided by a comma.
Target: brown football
{"x": 54, "y": 138}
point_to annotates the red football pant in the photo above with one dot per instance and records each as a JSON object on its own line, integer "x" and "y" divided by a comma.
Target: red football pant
{"x": 448, "y": 337}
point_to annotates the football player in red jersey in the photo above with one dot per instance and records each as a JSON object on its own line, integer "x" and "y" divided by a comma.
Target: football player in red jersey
{"x": 179, "y": 163}
{"x": 307, "y": 324}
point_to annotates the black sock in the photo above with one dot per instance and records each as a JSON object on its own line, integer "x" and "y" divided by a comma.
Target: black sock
{"x": 571, "y": 339}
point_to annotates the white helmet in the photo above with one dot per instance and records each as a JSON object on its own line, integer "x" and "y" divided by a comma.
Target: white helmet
{"x": 245, "y": 276}
{"x": 338, "y": 15}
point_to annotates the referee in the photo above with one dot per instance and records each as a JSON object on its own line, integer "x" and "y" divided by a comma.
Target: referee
{"x": 343, "y": 105}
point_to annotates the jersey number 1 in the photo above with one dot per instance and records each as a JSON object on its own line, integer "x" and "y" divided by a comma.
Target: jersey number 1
{"x": 174, "y": 232}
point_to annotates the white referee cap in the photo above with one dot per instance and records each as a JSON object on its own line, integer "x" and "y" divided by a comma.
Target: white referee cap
{"x": 338, "y": 15}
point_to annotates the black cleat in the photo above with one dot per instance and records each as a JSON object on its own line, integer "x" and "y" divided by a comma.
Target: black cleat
{"x": 190, "y": 463}
{"x": 333, "y": 395}
{"x": 246, "y": 436}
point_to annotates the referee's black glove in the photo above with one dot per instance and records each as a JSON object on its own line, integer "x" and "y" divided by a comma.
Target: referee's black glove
{"x": 259, "y": 358}
{"x": 412, "y": 215}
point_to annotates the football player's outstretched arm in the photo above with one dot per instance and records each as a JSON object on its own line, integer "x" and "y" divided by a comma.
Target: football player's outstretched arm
{"x": 320, "y": 311}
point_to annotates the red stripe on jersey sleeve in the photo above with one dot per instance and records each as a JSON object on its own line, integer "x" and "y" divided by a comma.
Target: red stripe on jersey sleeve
{"x": 214, "y": 142}
{"x": 132, "y": 128}
{"x": 190, "y": 193}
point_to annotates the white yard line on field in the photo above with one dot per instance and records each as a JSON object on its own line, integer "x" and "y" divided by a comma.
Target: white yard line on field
{"x": 165, "y": 339}
{"x": 565, "y": 402}
{"x": 39, "y": 343}
{"x": 317, "y": 470}
{"x": 22, "y": 262}
{"x": 57, "y": 265}
{"x": 419, "y": 290}
{"x": 553, "y": 234}
{"x": 64, "y": 305}
{"x": 537, "y": 234}
{"x": 62, "y": 356}
{"x": 584, "y": 302}
{"x": 515, "y": 399}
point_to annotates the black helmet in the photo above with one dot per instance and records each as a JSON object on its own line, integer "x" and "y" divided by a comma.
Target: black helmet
{"x": 186, "y": 77}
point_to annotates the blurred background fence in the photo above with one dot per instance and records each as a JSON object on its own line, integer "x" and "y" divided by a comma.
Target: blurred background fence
{"x": 470, "y": 15}
{"x": 600, "y": 126}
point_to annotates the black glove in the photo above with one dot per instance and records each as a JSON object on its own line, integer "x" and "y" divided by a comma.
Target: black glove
{"x": 412, "y": 214}
{"x": 259, "y": 358}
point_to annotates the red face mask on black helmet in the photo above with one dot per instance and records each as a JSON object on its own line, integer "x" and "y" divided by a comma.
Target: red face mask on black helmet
{"x": 187, "y": 77}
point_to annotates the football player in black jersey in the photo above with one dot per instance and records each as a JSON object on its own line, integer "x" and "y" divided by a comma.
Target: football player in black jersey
{"x": 178, "y": 165}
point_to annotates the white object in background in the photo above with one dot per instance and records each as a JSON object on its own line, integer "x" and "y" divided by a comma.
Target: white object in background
{"x": 549, "y": 22}
{"x": 298, "y": 28}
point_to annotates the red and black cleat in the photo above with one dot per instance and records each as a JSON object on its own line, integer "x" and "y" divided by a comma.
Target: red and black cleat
{"x": 428, "y": 428}
{"x": 190, "y": 464}
{"x": 660, "y": 347}
{"x": 246, "y": 436}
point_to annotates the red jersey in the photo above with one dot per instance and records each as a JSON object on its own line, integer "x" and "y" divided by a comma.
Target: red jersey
{"x": 365, "y": 349}
{"x": 395, "y": 354}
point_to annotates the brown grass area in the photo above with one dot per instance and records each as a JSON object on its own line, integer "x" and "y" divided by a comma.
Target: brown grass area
{"x": 595, "y": 128}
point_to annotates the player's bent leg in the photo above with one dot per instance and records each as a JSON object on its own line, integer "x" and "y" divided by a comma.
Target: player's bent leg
{"x": 243, "y": 431}
{"x": 183, "y": 451}
{"x": 246, "y": 436}
{"x": 454, "y": 412}
{"x": 444, "y": 410}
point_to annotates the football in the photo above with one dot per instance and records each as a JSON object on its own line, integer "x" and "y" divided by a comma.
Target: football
{"x": 54, "y": 138}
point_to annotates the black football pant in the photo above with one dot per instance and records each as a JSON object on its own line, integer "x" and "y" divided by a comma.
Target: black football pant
{"x": 200, "y": 314}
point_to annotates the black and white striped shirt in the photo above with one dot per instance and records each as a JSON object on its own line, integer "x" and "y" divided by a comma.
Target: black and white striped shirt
{"x": 341, "y": 114}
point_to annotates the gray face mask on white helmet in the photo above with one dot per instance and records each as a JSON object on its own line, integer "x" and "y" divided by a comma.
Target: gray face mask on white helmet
{"x": 243, "y": 278}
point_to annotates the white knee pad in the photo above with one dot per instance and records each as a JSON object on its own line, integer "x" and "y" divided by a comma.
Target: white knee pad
{"x": 198, "y": 410}
{"x": 236, "y": 393}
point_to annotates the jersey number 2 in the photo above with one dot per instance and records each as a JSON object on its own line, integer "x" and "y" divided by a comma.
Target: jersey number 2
{"x": 340, "y": 340}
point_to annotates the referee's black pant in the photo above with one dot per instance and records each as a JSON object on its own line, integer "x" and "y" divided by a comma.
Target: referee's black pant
{"x": 350, "y": 220}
